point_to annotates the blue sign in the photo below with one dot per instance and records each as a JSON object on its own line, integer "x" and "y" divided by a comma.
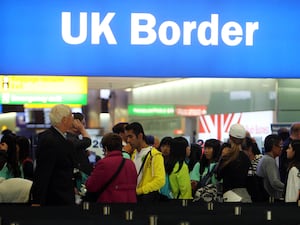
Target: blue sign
{"x": 196, "y": 38}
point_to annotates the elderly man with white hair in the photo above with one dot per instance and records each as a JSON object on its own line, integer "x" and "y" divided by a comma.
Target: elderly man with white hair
{"x": 52, "y": 183}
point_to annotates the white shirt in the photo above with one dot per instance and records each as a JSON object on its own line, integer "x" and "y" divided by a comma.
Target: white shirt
{"x": 292, "y": 185}
{"x": 138, "y": 161}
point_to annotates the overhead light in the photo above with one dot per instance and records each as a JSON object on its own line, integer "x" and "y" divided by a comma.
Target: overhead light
{"x": 104, "y": 93}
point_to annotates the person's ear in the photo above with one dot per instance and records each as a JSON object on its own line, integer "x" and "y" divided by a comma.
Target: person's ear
{"x": 140, "y": 136}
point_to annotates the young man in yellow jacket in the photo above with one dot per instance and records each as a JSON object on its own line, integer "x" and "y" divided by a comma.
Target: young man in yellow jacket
{"x": 148, "y": 161}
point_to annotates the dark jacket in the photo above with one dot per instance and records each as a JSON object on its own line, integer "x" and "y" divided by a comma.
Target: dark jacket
{"x": 80, "y": 156}
{"x": 235, "y": 173}
{"x": 52, "y": 183}
{"x": 3, "y": 158}
{"x": 123, "y": 187}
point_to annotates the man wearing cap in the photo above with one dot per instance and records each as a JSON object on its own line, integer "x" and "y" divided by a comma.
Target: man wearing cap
{"x": 234, "y": 165}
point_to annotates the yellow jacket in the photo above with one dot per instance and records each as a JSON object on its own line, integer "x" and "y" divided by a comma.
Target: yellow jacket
{"x": 153, "y": 173}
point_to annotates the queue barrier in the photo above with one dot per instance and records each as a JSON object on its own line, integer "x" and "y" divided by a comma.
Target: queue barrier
{"x": 175, "y": 212}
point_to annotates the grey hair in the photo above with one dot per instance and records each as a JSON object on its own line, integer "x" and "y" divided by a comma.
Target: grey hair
{"x": 58, "y": 112}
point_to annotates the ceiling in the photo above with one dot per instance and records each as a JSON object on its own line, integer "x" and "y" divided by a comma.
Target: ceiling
{"x": 119, "y": 83}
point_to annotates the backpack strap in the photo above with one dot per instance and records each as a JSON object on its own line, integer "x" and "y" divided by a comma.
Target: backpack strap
{"x": 143, "y": 163}
{"x": 112, "y": 178}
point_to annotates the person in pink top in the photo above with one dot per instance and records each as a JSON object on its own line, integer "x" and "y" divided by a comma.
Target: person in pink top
{"x": 122, "y": 189}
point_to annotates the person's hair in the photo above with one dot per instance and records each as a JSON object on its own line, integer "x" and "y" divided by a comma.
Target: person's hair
{"x": 295, "y": 162}
{"x": 177, "y": 154}
{"x": 294, "y": 127}
{"x": 119, "y": 127}
{"x": 215, "y": 145}
{"x": 249, "y": 144}
{"x": 58, "y": 112}
{"x": 150, "y": 139}
{"x": 78, "y": 116}
{"x": 6, "y": 131}
{"x": 165, "y": 141}
{"x": 234, "y": 151}
{"x": 112, "y": 142}
{"x": 137, "y": 129}
{"x": 24, "y": 147}
{"x": 12, "y": 157}
{"x": 195, "y": 156}
{"x": 284, "y": 133}
{"x": 270, "y": 140}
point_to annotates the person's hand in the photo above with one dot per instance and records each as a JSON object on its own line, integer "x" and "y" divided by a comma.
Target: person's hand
{"x": 194, "y": 184}
{"x": 128, "y": 148}
{"x": 3, "y": 146}
{"x": 78, "y": 125}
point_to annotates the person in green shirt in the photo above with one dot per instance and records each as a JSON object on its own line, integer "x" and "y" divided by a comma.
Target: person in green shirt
{"x": 207, "y": 163}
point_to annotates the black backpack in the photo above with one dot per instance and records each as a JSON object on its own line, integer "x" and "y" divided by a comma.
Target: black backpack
{"x": 256, "y": 189}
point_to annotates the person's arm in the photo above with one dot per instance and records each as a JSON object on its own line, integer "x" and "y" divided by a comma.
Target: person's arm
{"x": 98, "y": 177}
{"x": 292, "y": 186}
{"x": 272, "y": 174}
{"x": 184, "y": 183}
{"x": 195, "y": 175}
{"x": 85, "y": 142}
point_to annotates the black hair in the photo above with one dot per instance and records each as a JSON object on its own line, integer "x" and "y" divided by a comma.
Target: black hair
{"x": 195, "y": 156}
{"x": 119, "y": 127}
{"x": 165, "y": 141}
{"x": 12, "y": 157}
{"x": 270, "y": 141}
{"x": 78, "y": 116}
{"x": 296, "y": 159}
{"x": 177, "y": 154}
{"x": 137, "y": 129}
{"x": 248, "y": 143}
{"x": 24, "y": 147}
{"x": 216, "y": 146}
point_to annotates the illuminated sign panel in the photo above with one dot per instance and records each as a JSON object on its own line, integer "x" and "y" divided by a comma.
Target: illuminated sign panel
{"x": 151, "y": 110}
{"x": 43, "y": 90}
{"x": 191, "y": 110}
{"x": 197, "y": 38}
{"x": 218, "y": 125}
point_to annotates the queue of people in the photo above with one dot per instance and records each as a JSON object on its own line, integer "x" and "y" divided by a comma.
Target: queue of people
{"x": 136, "y": 167}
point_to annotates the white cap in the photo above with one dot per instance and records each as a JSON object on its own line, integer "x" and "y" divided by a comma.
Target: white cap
{"x": 237, "y": 131}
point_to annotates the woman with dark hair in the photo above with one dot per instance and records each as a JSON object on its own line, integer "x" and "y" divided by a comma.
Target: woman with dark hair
{"x": 9, "y": 163}
{"x": 26, "y": 162}
{"x": 195, "y": 155}
{"x": 207, "y": 162}
{"x": 178, "y": 170}
{"x": 252, "y": 151}
{"x": 293, "y": 181}
{"x": 164, "y": 146}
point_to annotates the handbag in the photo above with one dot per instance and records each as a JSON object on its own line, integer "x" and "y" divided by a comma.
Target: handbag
{"x": 206, "y": 191}
{"x": 93, "y": 196}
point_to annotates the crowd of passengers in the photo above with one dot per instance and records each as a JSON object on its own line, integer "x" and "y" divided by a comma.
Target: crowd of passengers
{"x": 141, "y": 168}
